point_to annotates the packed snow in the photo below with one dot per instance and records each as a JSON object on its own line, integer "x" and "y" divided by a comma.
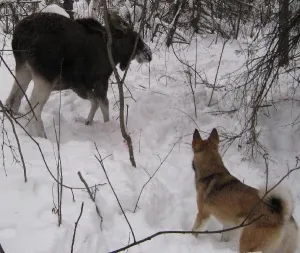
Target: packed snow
{"x": 161, "y": 121}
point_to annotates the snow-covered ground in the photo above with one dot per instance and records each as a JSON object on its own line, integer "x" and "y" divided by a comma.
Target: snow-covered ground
{"x": 160, "y": 113}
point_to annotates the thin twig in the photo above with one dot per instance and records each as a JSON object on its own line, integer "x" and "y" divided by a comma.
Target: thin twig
{"x": 265, "y": 156}
{"x": 75, "y": 228}
{"x": 161, "y": 163}
{"x": 17, "y": 140}
{"x": 44, "y": 159}
{"x": 20, "y": 86}
{"x": 104, "y": 170}
{"x": 127, "y": 107}
{"x": 59, "y": 174}
{"x": 216, "y": 76}
{"x": 92, "y": 197}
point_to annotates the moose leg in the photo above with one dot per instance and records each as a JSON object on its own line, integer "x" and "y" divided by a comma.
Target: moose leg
{"x": 40, "y": 94}
{"x": 101, "y": 87}
{"x": 95, "y": 104}
{"x": 23, "y": 76}
{"x": 94, "y": 107}
{"x": 98, "y": 99}
{"x": 104, "y": 106}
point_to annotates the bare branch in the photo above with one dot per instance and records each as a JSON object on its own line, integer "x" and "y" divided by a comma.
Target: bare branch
{"x": 168, "y": 232}
{"x": 120, "y": 82}
{"x": 44, "y": 159}
{"x": 92, "y": 197}
{"x": 102, "y": 166}
{"x": 75, "y": 228}
{"x": 161, "y": 163}
{"x": 6, "y": 113}
{"x": 20, "y": 87}
{"x": 216, "y": 76}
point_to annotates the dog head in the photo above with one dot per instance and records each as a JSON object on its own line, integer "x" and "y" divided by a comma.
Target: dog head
{"x": 205, "y": 151}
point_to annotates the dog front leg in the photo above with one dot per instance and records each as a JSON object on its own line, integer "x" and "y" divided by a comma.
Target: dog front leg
{"x": 201, "y": 218}
{"x": 202, "y": 215}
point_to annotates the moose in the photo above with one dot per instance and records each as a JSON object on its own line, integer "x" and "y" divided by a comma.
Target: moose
{"x": 59, "y": 53}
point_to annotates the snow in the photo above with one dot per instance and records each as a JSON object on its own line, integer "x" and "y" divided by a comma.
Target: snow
{"x": 159, "y": 116}
{"x": 54, "y": 8}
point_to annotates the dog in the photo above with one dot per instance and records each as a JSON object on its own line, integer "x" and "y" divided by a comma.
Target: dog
{"x": 269, "y": 224}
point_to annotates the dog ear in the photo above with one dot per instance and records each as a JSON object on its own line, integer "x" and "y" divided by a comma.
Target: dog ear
{"x": 214, "y": 136}
{"x": 196, "y": 140}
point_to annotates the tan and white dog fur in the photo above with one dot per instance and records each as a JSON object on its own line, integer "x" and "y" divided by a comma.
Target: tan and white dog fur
{"x": 272, "y": 227}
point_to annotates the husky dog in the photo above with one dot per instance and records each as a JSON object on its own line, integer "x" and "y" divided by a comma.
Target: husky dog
{"x": 271, "y": 226}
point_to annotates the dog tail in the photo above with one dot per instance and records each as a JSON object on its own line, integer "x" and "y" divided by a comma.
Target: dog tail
{"x": 279, "y": 200}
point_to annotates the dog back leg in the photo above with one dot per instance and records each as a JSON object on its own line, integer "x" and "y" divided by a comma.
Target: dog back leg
{"x": 227, "y": 236}
{"x": 40, "y": 94}
{"x": 260, "y": 239}
{"x": 23, "y": 76}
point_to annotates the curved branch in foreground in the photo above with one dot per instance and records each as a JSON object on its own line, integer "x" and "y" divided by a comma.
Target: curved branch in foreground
{"x": 168, "y": 232}
{"x": 243, "y": 224}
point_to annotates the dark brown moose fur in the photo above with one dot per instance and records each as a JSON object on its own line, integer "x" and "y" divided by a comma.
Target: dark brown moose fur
{"x": 60, "y": 53}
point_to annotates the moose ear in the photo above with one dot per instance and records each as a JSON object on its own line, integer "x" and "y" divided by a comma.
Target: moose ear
{"x": 91, "y": 25}
{"x": 214, "y": 136}
{"x": 118, "y": 23}
{"x": 197, "y": 141}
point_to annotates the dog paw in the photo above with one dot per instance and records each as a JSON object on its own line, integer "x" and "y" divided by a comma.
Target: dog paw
{"x": 195, "y": 229}
{"x": 225, "y": 238}
{"x": 196, "y": 235}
